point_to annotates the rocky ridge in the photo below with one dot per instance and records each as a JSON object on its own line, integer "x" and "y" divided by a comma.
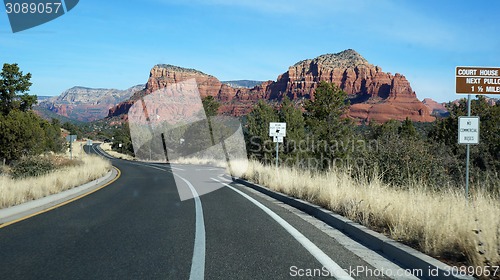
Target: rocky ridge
{"x": 87, "y": 104}
{"x": 374, "y": 94}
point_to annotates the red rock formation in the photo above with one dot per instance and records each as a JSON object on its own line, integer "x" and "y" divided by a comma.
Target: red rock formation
{"x": 374, "y": 95}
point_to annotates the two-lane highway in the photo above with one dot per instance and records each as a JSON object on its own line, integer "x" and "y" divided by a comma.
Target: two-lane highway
{"x": 138, "y": 228}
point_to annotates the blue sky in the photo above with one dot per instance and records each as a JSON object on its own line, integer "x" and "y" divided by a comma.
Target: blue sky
{"x": 114, "y": 44}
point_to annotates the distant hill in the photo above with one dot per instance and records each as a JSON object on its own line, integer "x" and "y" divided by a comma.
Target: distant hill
{"x": 242, "y": 83}
{"x": 439, "y": 109}
{"x": 41, "y": 98}
{"x": 84, "y": 104}
{"x": 49, "y": 115}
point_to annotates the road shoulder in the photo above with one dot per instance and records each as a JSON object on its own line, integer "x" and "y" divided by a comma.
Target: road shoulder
{"x": 32, "y": 208}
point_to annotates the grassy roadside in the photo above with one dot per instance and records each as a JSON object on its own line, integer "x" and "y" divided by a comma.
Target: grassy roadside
{"x": 438, "y": 223}
{"x": 68, "y": 174}
{"x": 107, "y": 148}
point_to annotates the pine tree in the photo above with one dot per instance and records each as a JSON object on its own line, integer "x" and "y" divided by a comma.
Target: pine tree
{"x": 13, "y": 90}
{"x": 407, "y": 129}
{"x": 327, "y": 123}
{"x": 260, "y": 144}
{"x": 295, "y": 132}
{"x": 210, "y": 105}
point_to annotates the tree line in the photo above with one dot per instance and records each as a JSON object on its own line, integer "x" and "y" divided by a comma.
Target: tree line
{"x": 22, "y": 132}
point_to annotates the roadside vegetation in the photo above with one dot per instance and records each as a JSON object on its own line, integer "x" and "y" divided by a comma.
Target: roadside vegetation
{"x": 64, "y": 174}
{"x": 33, "y": 158}
{"x": 403, "y": 179}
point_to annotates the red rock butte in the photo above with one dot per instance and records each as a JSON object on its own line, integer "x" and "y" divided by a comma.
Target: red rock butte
{"x": 374, "y": 94}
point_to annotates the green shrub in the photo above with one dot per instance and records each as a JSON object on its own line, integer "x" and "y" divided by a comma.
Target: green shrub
{"x": 400, "y": 161}
{"x": 31, "y": 166}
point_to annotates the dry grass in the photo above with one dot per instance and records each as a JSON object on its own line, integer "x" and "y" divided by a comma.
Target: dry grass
{"x": 107, "y": 148}
{"x": 199, "y": 161}
{"x": 71, "y": 174}
{"x": 437, "y": 223}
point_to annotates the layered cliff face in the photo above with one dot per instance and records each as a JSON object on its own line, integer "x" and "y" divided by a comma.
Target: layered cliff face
{"x": 87, "y": 104}
{"x": 374, "y": 94}
{"x": 235, "y": 101}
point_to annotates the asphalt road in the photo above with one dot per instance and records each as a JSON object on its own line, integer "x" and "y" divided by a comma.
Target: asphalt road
{"x": 138, "y": 228}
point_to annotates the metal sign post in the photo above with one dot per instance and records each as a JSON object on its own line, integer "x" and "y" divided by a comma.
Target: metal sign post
{"x": 277, "y": 131}
{"x": 71, "y": 139}
{"x": 277, "y": 152}
{"x": 475, "y": 80}
{"x": 468, "y": 134}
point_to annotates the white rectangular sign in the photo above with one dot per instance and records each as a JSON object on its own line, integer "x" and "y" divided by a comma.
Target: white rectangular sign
{"x": 468, "y": 130}
{"x": 277, "y": 129}
{"x": 278, "y": 139}
{"x": 71, "y": 138}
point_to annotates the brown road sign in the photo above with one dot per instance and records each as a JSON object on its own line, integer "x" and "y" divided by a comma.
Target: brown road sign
{"x": 477, "y": 80}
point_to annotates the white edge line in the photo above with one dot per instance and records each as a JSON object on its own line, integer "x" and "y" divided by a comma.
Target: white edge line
{"x": 172, "y": 167}
{"x": 177, "y": 168}
{"x": 224, "y": 179}
{"x": 335, "y": 270}
{"x": 98, "y": 152}
{"x": 198, "y": 262}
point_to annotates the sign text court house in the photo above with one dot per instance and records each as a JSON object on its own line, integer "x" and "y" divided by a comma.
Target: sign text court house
{"x": 477, "y": 80}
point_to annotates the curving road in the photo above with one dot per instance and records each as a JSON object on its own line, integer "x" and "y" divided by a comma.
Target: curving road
{"x": 138, "y": 228}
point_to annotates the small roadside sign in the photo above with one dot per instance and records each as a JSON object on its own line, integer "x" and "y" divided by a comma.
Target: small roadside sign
{"x": 278, "y": 139}
{"x": 468, "y": 130}
{"x": 277, "y": 129}
{"x": 71, "y": 138}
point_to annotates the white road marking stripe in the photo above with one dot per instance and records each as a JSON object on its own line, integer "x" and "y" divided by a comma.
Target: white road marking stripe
{"x": 207, "y": 169}
{"x": 101, "y": 153}
{"x": 172, "y": 167}
{"x": 224, "y": 179}
{"x": 198, "y": 262}
{"x": 177, "y": 168}
{"x": 335, "y": 270}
